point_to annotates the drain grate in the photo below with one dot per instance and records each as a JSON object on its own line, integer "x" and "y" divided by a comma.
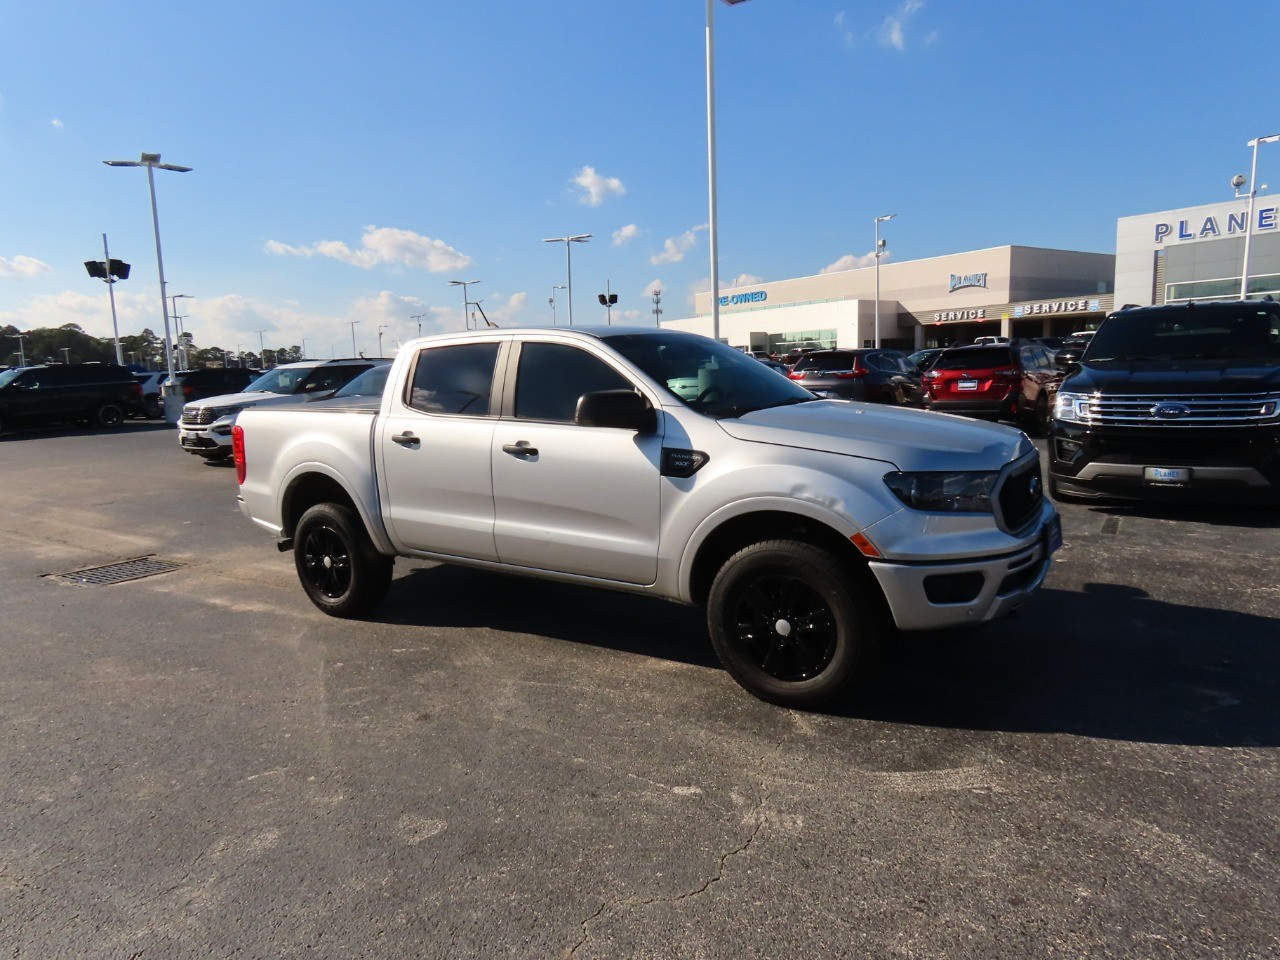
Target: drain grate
{"x": 134, "y": 569}
{"x": 1111, "y": 526}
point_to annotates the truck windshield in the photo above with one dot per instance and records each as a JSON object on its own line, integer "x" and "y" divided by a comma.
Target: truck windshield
{"x": 8, "y": 376}
{"x": 1208, "y": 331}
{"x": 708, "y": 376}
{"x": 279, "y": 380}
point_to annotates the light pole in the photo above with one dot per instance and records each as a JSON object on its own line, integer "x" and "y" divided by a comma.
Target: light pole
{"x": 568, "y": 264}
{"x": 262, "y": 349}
{"x": 109, "y": 271}
{"x": 66, "y": 354}
{"x": 353, "y": 338}
{"x": 879, "y": 250}
{"x": 177, "y": 329}
{"x": 466, "y": 324}
{"x": 418, "y": 317}
{"x": 304, "y": 349}
{"x": 381, "y": 327}
{"x": 552, "y": 300}
{"x": 239, "y": 356}
{"x": 607, "y": 300}
{"x": 22, "y": 354}
{"x": 712, "y": 234}
{"x": 151, "y": 161}
{"x": 1248, "y": 227}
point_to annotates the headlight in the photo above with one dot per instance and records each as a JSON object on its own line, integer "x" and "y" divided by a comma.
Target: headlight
{"x": 944, "y": 492}
{"x": 1073, "y": 407}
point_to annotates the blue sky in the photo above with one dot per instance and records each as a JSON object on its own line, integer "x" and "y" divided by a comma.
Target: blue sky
{"x": 351, "y": 159}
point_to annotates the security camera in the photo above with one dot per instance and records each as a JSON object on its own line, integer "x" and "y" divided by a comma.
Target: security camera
{"x": 1238, "y": 181}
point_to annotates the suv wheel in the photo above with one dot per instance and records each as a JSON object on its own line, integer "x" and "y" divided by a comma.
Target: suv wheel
{"x": 337, "y": 564}
{"x": 788, "y": 625}
{"x": 108, "y": 415}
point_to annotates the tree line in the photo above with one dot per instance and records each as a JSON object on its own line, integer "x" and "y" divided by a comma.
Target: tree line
{"x": 144, "y": 351}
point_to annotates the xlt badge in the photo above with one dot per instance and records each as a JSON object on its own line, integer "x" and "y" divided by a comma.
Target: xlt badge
{"x": 682, "y": 463}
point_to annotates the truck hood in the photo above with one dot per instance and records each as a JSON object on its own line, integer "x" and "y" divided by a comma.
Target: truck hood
{"x": 1237, "y": 375}
{"x": 909, "y": 439}
{"x": 257, "y": 398}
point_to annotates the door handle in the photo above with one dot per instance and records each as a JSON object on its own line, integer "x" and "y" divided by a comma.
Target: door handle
{"x": 521, "y": 449}
{"x": 406, "y": 439}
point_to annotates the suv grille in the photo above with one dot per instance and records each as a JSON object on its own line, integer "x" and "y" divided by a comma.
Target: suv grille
{"x": 1199, "y": 410}
{"x": 1021, "y": 495}
{"x": 200, "y": 418}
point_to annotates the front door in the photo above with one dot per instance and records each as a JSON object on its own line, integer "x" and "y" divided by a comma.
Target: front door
{"x": 573, "y": 499}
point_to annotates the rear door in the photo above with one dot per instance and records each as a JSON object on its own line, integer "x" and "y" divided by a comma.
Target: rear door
{"x": 433, "y": 448}
{"x": 571, "y": 499}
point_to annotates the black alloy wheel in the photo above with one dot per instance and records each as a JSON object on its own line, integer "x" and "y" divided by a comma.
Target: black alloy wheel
{"x": 793, "y": 623}
{"x": 336, "y": 561}
{"x": 109, "y": 415}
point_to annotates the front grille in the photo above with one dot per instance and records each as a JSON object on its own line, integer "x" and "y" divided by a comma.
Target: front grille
{"x": 1183, "y": 410}
{"x": 1021, "y": 495}
{"x": 198, "y": 418}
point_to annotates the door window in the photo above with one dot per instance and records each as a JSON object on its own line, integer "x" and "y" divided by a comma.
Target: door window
{"x": 454, "y": 380}
{"x": 552, "y": 376}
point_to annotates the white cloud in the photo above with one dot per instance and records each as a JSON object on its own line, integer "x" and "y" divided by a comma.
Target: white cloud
{"x": 674, "y": 248}
{"x": 843, "y": 30}
{"x": 596, "y": 187}
{"x": 625, "y": 235}
{"x": 383, "y": 245}
{"x": 654, "y": 286}
{"x": 21, "y": 268}
{"x": 893, "y": 30}
{"x": 851, "y": 262}
{"x": 57, "y": 123}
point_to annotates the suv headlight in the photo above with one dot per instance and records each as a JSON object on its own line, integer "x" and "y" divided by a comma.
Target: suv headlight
{"x": 956, "y": 492}
{"x": 1073, "y": 407}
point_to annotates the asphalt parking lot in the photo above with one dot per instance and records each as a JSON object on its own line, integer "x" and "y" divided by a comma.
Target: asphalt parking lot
{"x": 200, "y": 764}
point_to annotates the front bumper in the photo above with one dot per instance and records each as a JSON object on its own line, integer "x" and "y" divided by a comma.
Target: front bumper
{"x": 202, "y": 441}
{"x": 934, "y": 596}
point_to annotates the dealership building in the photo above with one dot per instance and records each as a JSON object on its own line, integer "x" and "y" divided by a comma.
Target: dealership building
{"x": 1011, "y": 291}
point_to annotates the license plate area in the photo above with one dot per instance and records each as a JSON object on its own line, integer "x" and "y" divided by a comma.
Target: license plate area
{"x": 1166, "y": 476}
{"x": 966, "y": 384}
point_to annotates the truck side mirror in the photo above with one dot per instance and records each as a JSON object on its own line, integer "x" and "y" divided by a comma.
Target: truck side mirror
{"x": 623, "y": 409}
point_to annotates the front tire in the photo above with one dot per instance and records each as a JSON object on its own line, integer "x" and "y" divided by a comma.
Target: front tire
{"x": 791, "y": 625}
{"x": 336, "y": 561}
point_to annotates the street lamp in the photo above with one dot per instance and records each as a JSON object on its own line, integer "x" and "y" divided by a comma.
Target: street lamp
{"x": 466, "y": 324}
{"x": 711, "y": 166}
{"x": 418, "y": 317}
{"x": 110, "y": 271}
{"x": 22, "y": 354}
{"x": 1248, "y": 227}
{"x": 568, "y": 263}
{"x": 262, "y": 349}
{"x": 151, "y": 161}
{"x": 552, "y": 300}
{"x": 177, "y": 328}
{"x": 607, "y": 300}
{"x": 879, "y": 251}
{"x": 381, "y": 327}
{"x": 353, "y": 338}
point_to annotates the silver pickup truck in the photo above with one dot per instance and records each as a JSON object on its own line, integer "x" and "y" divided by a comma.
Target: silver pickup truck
{"x": 659, "y": 463}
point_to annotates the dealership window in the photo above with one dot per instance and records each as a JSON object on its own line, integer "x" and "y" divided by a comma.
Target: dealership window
{"x": 780, "y": 343}
{"x": 1224, "y": 288}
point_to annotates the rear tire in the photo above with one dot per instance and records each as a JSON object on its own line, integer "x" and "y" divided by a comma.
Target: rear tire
{"x": 108, "y": 416}
{"x": 791, "y": 624}
{"x": 336, "y": 561}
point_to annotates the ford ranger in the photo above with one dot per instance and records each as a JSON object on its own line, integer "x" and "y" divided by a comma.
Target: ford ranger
{"x": 659, "y": 463}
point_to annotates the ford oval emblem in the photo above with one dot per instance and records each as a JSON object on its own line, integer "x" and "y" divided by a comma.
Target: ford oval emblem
{"x": 1170, "y": 411}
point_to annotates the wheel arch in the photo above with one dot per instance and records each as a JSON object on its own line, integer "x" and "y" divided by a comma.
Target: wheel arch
{"x": 743, "y": 529}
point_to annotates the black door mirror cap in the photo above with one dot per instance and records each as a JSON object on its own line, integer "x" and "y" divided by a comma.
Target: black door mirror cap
{"x": 622, "y": 409}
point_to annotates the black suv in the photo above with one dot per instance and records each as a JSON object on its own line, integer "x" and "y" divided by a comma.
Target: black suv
{"x": 97, "y": 392}
{"x": 1170, "y": 401}
{"x": 213, "y": 381}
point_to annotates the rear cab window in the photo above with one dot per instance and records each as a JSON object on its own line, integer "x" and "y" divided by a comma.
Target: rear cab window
{"x": 454, "y": 380}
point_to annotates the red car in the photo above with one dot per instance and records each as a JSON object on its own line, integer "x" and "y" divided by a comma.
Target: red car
{"x": 1005, "y": 382}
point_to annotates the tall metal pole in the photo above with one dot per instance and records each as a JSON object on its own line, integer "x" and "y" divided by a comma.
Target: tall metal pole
{"x": 111, "y": 292}
{"x": 1248, "y": 227}
{"x": 164, "y": 300}
{"x": 568, "y": 272}
{"x": 353, "y": 337}
{"x": 879, "y": 247}
{"x": 711, "y": 172}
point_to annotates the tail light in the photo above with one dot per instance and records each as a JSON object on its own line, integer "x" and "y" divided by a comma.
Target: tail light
{"x": 136, "y": 390}
{"x": 188, "y": 390}
{"x": 795, "y": 374}
{"x": 857, "y": 372}
{"x": 237, "y": 452}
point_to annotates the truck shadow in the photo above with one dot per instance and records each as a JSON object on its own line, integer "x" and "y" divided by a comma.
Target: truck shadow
{"x": 1109, "y": 662}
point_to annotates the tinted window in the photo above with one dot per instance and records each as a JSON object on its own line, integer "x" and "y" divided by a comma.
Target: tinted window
{"x": 331, "y": 378}
{"x": 1207, "y": 331}
{"x": 455, "y": 379}
{"x": 885, "y": 362}
{"x": 835, "y": 360}
{"x": 985, "y": 358}
{"x": 553, "y": 376}
{"x": 369, "y": 384}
